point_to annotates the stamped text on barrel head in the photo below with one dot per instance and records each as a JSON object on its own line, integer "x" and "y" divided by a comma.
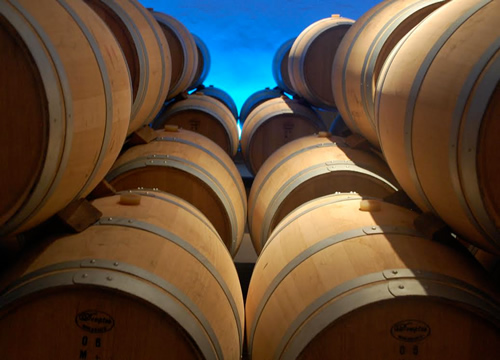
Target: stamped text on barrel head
{"x": 95, "y": 322}
{"x": 410, "y": 330}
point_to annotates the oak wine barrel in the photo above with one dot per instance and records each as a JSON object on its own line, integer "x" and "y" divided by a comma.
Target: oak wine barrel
{"x": 205, "y": 115}
{"x": 220, "y": 95}
{"x": 151, "y": 277}
{"x": 363, "y": 51}
{"x": 193, "y": 167}
{"x": 65, "y": 99}
{"x": 280, "y": 67}
{"x": 146, "y": 51}
{"x": 204, "y": 62}
{"x": 307, "y": 168}
{"x": 256, "y": 99}
{"x": 272, "y": 124}
{"x": 311, "y": 59}
{"x": 183, "y": 50}
{"x": 350, "y": 276}
{"x": 437, "y": 111}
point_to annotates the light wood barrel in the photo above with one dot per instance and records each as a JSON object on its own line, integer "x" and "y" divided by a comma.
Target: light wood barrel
{"x": 220, "y": 95}
{"x": 271, "y": 125}
{"x": 151, "y": 277}
{"x": 308, "y": 168}
{"x": 146, "y": 51}
{"x": 194, "y": 168}
{"x": 280, "y": 67}
{"x": 256, "y": 99}
{"x": 362, "y": 53}
{"x": 437, "y": 112}
{"x": 203, "y": 62}
{"x": 183, "y": 51}
{"x": 311, "y": 59}
{"x": 65, "y": 99}
{"x": 205, "y": 115}
{"x": 349, "y": 277}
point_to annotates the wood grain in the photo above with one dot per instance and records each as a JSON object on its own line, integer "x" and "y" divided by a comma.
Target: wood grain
{"x": 311, "y": 57}
{"x": 275, "y": 193}
{"x": 201, "y": 173}
{"x": 183, "y": 52}
{"x": 146, "y": 51}
{"x": 287, "y": 294}
{"x": 272, "y": 124}
{"x": 436, "y": 138}
{"x": 362, "y": 53}
{"x": 205, "y": 115}
{"x": 136, "y": 327}
{"x": 81, "y": 115}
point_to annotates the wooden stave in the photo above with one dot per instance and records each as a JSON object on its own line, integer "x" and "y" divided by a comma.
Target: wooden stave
{"x": 221, "y": 179}
{"x": 447, "y": 196}
{"x": 61, "y": 254}
{"x": 203, "y": 63}
{"x": 316, "y": 92}
{"x": 267, "y": 205}
{"x": 151, "y": 57}
{"x": 294, "y": 241}
{"x": 183, "y": 70}
{"x": 220, "y": 95}
{"x": 361, "y": 54}
{"x": 269, "y": 113}
{"x": 206, "y": 110}
{"x": 255, "y": 100}
{"x": 68, "y": 174}
{"x": 280, "y": 67}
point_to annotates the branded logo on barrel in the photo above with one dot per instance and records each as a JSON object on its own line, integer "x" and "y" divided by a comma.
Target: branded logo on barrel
{"x": 410, "y": 330}
{"x": 95, "y": 322}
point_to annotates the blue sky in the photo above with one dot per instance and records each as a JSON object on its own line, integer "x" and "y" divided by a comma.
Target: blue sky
{"x": 242, "y": 36}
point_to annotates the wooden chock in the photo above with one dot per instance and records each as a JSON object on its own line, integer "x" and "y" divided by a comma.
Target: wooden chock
{"x": 79, "y": 215}
{"x": 130, "y": 199}
{"x": 369, "y": 205}
{"x": 102, "y": 189}
{"x": 171, "y": 128}
{"x": 142, "y": 136}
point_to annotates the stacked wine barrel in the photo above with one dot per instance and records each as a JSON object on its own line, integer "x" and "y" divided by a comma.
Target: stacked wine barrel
{"x": 125, "y": 195}
{"x": 129, "y": 233}
{"x": 364, "y": 237}
{"x": 302, "y": 68}
{"x": 65, "y": 116}
{"x": 351, "y": 276}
